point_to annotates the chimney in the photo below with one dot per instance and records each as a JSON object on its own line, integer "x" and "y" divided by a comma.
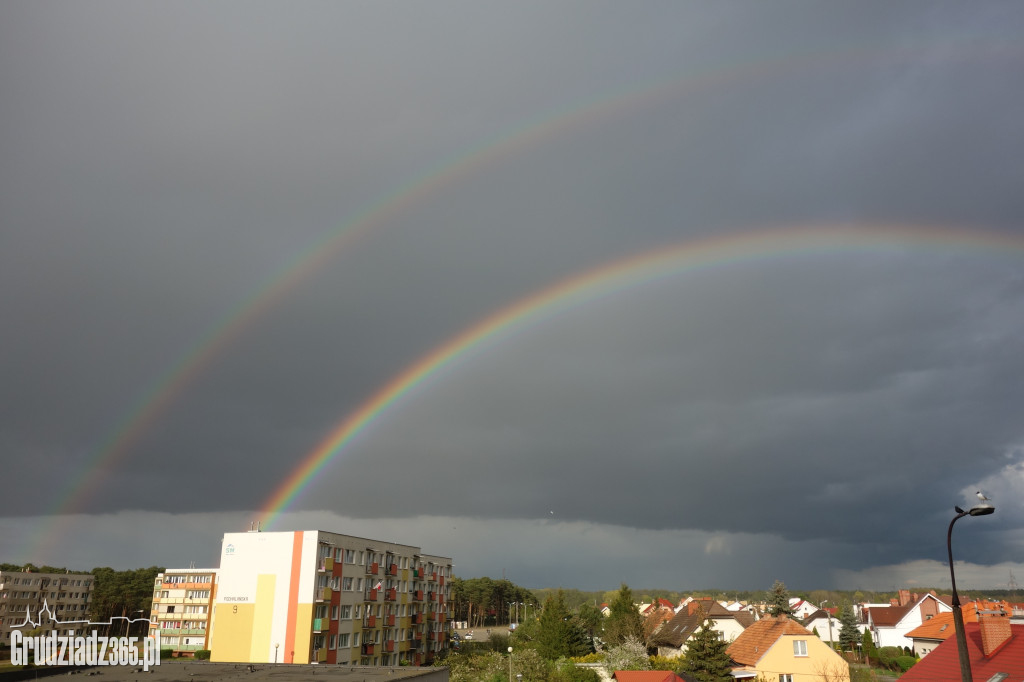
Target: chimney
{"x": 904, "y": 597}
{"x": 995, "y": 630}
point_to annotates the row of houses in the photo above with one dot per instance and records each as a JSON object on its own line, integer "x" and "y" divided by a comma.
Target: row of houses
{"x": 787, "y": 649}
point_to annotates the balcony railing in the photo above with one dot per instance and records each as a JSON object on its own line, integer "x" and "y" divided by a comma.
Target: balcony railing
{"x": 371, "y": 595}
{"x": 417, "y": 595}
{"x": 389, "y": 645}
{"x": 320, "y": 624}
{"x": 390, "y": 594}
{"x": 326, "y": 564}
{"x": 367, "y": 649}
{"x": 417, "y": 619}
{"x": 372, "y": 568}
{"x": 324, "y": 594}
{"x": 370, "y": 621}
{"x": 392, "y": 569}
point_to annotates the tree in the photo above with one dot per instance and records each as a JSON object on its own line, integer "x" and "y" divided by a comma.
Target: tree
{"x": 629, "y": 655}
{"x": 559, "y": 633}
{"x": 849, "y": 634}
{"x": 706, "y": 659}
{"x": 778, "y": 600}
{"x": 624, "y": 621}
{"x": 591, "y": 618}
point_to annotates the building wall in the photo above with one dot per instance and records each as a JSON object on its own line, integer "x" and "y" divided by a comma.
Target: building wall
{"x": 820, "y": 658}
{"x": 66, "y": 595}
{"x": 314, "y": 596}
{"x": 183, "y": 607}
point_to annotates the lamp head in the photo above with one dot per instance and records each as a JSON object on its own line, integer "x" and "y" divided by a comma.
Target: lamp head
{"x": 982, "y": 510}
{"x": 958, "y": 510}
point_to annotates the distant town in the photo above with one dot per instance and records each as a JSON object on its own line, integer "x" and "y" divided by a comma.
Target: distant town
{"x": 304, "y": 598}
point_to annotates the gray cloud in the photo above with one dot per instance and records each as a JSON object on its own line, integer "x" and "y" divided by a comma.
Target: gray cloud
{"x": 162, "y": 165}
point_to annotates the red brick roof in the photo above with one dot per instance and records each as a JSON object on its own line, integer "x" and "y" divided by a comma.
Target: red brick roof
{"x": 756, "y": 640}
{"x": 943, "y": 663}
{"x": 646, "y": 676}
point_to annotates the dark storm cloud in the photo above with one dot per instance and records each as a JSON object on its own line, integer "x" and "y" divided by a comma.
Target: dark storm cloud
{"x": 161, "y": 163}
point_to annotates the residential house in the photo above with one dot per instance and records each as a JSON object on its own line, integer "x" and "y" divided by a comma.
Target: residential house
{"x": 825, "y": 624}
{"x": 778, "y": 649}
{"x": 995, "y": 648}
{"x": 646, "y": 676}
{"x": 938, "y": 629}
{"x": 671, "y": 638}
{"x": 889, "y": 625}
{"x": 801, "y": 609}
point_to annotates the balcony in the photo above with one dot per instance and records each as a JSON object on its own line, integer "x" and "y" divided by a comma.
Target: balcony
{"x": 417, "y": 573}
{"x": 320, "y": 624}
{"x": 432, "y": 577}
{"x": 367, "y": 649}
{"x": 372, "y": 568}
{"x": 324, "y": 594}
{"x": 417, "y": 619}
{"x": 389, "y": 645}
{"x": 371, "y": 595}
{"x": 392, "y": 569}
{"x": 389, "y": 620}
{"x": 390, "y": 594}
{"x": 432, "y": 596}
{"x": 370, "y": 621}
{"x": 326, "y": 565}
{"x": 417, "y": 595}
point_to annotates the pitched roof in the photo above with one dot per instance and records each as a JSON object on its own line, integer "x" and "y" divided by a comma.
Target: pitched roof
{"x": 938, "y": 627}
{"x": 887, "y": 616}
{"x": 646, "y": 676}
{"x": 678, "y": 629}
{"x": 756, "y": 640}
{"x": 943, "y": 663}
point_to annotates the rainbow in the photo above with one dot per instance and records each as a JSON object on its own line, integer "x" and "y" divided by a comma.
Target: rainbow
{"x": 71, "y": 496}
{"x": 616, "y": 276}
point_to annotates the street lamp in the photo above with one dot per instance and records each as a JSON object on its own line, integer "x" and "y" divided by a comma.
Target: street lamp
{"x": 829, "y": 617}
{"x": 275, "y": 651}
{"x": 958, "y": 616}
{"x": 510, "y": 664}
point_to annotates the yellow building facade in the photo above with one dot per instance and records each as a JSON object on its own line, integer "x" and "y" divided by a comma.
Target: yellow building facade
{"x": 316, "y": 596}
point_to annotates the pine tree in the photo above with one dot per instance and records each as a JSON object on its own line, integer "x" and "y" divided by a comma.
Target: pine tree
{"x": 849, "y": 634}
{"x": 706, "y": 659}
{"x": 625, "y": 620}
{"x": 778, "y": 600}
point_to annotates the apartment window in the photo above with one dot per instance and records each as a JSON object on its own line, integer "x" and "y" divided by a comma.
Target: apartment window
{"x": 350, "y": 556}
{"x": 785, "y": 677}
{"x": 355, "y": 639}
{"x": 337, "y": 554}
{"x": 799, "y": 647}
{"x": 347, "y": 583}
{"x": 346, "y": 612}
{"x": 342, "y": 640}
{"x": 334, "y": 642}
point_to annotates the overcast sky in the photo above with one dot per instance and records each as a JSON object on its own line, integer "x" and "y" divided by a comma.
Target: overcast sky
{"x": 225, "y": 227}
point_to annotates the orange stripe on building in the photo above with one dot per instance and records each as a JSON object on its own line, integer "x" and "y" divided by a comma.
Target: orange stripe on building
{"x": 293, "y": 596}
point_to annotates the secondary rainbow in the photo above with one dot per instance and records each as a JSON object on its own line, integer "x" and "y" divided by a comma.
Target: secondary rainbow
{"x": 70, "y": 496}
{"x": 621, "y": 274}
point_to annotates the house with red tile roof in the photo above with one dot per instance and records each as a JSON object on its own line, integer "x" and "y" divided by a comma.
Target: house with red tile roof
{"x": 994, "y": 646}
{"x": 778, "y": 648}
{"x": 672, "y": 636}
{"x": 646, "y": 676}
{"x": 889, "y": 625}
{"x": 938, "y": 629}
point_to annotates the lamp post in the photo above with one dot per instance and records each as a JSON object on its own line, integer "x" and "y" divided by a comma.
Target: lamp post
{"x": 829, "y": 617}
{"x": 275, "y": 651}
{"x": 958, "y": 616}
{"x": 510, "y": 664}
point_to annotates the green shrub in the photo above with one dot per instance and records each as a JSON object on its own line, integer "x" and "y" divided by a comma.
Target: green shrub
{"x": 202, "y": 655}
{"x": 905, "y": 663}
{"x": 166, "y": 653}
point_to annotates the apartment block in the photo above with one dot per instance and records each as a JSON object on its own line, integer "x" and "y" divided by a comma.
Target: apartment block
{"x": 182, "y": 607}
{"x": 66, "y": 597}
{"x": 319, "y": 597}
